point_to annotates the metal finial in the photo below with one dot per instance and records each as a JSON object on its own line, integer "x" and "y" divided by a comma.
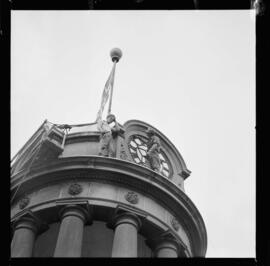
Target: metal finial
{"x": 116, "y": 54}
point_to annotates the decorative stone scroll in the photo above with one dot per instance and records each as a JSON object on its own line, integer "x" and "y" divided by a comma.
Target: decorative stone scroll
{"x": 75, "y": 189}
{"x": 24, "y": 202}
{"x": 132, "y": 197}
{"x": 175, "y": 224}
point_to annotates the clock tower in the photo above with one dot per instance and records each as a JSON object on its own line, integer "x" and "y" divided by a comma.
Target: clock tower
{"x": 70, "y": 201}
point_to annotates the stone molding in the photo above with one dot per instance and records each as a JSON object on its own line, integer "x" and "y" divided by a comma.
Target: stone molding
{"x": 109, "y": 165}
{"x": 129, "y": 209}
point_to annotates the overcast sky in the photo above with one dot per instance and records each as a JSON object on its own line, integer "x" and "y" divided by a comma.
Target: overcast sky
{"x": 191, "y": 74}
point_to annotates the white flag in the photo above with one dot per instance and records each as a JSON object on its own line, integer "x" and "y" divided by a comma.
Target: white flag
{"x": 106, "y": 93}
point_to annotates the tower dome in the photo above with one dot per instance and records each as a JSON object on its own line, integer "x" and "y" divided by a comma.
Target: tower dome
{"x": 73, "y": 198}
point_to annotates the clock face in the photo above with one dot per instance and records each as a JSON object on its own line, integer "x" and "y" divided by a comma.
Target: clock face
{"x": 138, "y": 149}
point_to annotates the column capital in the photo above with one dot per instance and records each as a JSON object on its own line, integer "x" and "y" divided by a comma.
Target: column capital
{"x": 25, "y": 228}
{"x": 30, "y": 221}
{"x": 126, "y": 218}
{"x": 165, "y": 240}
{"x": 77, "y": 211}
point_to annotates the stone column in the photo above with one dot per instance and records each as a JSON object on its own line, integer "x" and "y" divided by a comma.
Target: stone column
{"x": 69, "y": 242}
{"x": 126, "y": 226}
{"x": 25, "y": 230}
{"x": 164, "y": 247}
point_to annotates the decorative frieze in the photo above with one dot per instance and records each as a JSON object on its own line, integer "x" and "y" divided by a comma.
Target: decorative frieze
{"x": 132, "y": 197}
{"x": 75, "y": 189}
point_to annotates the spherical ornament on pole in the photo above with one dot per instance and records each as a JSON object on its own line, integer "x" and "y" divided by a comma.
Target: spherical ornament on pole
{"x": 116, "y": 54}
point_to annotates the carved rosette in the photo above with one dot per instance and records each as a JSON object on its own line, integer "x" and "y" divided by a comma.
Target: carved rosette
{"x": 75, "y": 189}
{"x": 132, "y": 197}
{"x": 175, "y": 224}
{"x": 24, "y": 202}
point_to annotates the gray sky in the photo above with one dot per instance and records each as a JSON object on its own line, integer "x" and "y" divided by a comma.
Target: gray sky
{"x": 191, "y": 74}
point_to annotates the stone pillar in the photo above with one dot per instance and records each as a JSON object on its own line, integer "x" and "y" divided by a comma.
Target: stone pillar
{"x": 25, "y": 230}
{"x": 164, "y": 246}
{"x": 166, "y": 249}
{"x": 126, "y": 227}
{"x": 69, "y": 242}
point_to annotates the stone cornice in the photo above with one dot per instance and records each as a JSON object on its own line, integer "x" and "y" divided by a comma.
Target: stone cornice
{"x": 124, "y": 173}
{"x": 82, "y": 136}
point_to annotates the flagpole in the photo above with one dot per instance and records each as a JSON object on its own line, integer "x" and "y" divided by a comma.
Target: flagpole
{"x": 116, "y": 54}
{"x": 111, "y": 94}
